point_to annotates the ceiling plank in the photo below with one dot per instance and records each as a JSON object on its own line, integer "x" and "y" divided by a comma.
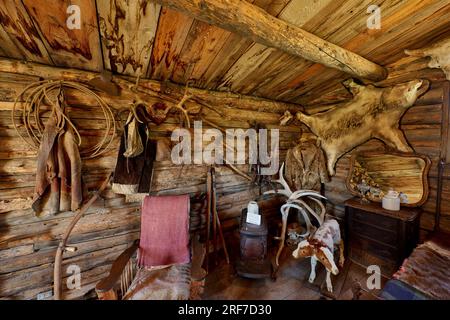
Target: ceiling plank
{"x": 249, "y": 63}
{"x": 253, "y": 22}
{"x": 235, "y": 46}
{"x": 128, "y": 31}
{"x": 414, "y": 24}
{"x": 79, "y": 48}
{"x": 7, "y": 46}
{"x": 201, "y": 46}
{"x": 173, "y": 28}
{"x": 20, "y": 38}
{"x": 242, "y": 76}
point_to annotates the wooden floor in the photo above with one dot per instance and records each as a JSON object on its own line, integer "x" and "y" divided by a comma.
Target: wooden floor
{"x": 291, "y": 282}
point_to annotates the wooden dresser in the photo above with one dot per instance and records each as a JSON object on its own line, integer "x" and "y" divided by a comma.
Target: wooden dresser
{"x": 378, "y": 236}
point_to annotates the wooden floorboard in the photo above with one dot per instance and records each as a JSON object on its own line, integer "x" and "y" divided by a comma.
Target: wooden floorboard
{"x": 291, "y": 282}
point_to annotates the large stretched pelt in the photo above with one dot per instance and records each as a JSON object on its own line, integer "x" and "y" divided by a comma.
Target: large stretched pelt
{"x": 425, "y": 274}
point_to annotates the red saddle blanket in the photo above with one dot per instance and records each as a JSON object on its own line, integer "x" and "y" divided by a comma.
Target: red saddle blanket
{"x": 164, "y": 231}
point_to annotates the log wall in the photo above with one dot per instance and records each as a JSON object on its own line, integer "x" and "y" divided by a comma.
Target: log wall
{"x": 426, "y": 128}
{"x": 28, "y": 243}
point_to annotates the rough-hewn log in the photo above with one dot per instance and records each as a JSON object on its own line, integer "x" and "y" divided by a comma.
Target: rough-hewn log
{"x": 248, "y": 20}
{"x": 215, "y": 98}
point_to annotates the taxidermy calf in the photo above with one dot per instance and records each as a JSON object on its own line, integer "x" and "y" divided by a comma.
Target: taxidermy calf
{"x": 372, "y": 113}
{"x": 320, "y": 247}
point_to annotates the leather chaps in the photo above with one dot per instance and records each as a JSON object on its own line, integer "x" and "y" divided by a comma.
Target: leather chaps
{"x": 58, "y": 174}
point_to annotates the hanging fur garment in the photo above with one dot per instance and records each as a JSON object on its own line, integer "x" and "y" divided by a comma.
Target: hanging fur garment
{"x": 306, "y": 166}
{"x": 58, "y": 173}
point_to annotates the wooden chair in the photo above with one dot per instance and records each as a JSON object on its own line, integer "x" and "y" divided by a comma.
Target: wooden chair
{"x": 125, "y": 277}
{"x": 120, "y": 276}
{"x": 124, "y": 268}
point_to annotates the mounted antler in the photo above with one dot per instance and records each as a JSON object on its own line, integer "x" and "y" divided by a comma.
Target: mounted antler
{"x": 294, "y": 201}
{"x": 286, "y": 191}
{"x": 180, "y": 106}
{"x": 294, "y": 197}
{"x": 286, "y": 118}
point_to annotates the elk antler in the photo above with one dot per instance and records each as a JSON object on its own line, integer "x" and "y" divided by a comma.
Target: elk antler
{"x": 294, "y": 201}
{"x": 286, "y": 191}
{"x": 180, "y": 106}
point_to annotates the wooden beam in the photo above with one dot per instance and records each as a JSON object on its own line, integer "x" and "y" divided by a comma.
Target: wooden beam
{"x": 222, "y": 100}
{"x": 250, "y": 21}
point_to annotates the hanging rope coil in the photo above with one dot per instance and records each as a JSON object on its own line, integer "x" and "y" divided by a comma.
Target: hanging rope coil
{"x": 51, "y": 93}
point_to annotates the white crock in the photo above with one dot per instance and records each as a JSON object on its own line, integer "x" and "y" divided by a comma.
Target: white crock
{"x": 391, "y": 201}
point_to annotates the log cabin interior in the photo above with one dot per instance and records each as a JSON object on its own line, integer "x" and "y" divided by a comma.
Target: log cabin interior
{"x": 224, "y": 149}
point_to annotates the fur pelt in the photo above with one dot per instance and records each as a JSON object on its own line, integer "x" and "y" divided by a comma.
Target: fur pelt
{"x": 372, "y": 113}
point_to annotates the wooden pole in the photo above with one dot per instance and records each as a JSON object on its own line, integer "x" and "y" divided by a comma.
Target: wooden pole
{"x": 57, "y": 286}
{"x": 219, "y": 225}
{"x": 213, "y": 213}
{"x": 151, "y": 87}
{"x": 208, "y": 216}
{"x": 250, "y": 21}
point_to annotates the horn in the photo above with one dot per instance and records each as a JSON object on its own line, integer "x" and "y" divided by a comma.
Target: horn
{"x": 416, "y": 53}
{"x": 423, "y": 88}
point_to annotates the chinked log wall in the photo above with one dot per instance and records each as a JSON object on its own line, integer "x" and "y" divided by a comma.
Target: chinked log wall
{"x": 426, "y": 128}
{"x": 28, "y": 243}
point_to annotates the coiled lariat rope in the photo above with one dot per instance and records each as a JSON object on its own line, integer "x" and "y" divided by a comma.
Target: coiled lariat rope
{"x": 39, "y": 94}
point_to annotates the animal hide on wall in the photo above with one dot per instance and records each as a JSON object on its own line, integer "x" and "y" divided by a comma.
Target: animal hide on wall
{"x": 439, "y": 54}
{"x": 372, "y": 113}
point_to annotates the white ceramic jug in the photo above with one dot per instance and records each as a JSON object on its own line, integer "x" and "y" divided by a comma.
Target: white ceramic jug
{"x": 391, "y": 201}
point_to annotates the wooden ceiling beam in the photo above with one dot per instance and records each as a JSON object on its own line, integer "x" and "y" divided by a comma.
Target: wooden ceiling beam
{"x": 219, "y": 99}
{"x": 252, "y": 22}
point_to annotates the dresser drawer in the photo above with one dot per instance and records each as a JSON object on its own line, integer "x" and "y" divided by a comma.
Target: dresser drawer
{"x": 377, "y": 249}
{"x": 365, "y": 259}
{"x": 374, "y": 219}
{"x": 389, "y": 237}
{"x": 374, "y": 234}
